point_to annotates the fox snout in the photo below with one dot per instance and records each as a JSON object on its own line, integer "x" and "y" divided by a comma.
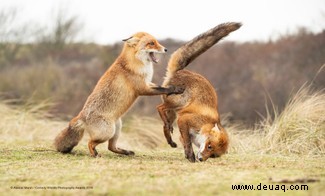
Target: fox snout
{"x": 161, "y": 49}
{"x": 200, "y": 157}
{"x": 155, "y": 45}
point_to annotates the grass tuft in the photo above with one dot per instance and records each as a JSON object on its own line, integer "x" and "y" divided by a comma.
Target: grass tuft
{"x": 298, "y": 129}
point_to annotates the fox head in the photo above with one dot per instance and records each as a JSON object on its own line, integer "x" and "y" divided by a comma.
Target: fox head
{"x": 145, "y": 46}
{"x": 215, "y": 142}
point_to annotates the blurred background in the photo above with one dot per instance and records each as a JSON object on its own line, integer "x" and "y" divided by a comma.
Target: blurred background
{"x": 55, "y": 51}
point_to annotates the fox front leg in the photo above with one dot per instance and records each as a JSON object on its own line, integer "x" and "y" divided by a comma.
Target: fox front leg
{"x": 153, "y": 89}
{"x": 186, "y": 140}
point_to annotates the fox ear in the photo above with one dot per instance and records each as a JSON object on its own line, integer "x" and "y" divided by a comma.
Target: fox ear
{"x": 216, "y": 128}
{"x": 126, "y": 39}
{"x": 131, "y": 41}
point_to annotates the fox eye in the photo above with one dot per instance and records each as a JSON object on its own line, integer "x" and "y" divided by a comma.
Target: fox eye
{"x": 209, "y": 147}
{"x": 152, "y": 43}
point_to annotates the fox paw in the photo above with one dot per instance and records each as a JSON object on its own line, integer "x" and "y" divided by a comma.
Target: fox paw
{"x": 179, "y": 89}
{"x": 190, "y": 157}
{"x": 176, "y": 90}
{"x": 172, "y": 144}
{"x": 129, "y": 153}
{"x": 96, "y": 155}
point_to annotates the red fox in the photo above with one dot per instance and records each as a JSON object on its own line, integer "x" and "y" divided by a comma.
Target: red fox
{"x": 197, "y": 107}
{"x": 127, "y": 78}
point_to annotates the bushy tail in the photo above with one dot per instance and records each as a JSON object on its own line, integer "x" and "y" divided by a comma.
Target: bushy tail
{"x": 192, "y": 49}
{"x": 69, "y": 137}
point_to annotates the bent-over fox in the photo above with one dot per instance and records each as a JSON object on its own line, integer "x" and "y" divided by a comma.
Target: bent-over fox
{"x": 197, "y": 108}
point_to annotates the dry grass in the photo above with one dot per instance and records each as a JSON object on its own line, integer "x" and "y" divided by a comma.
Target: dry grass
{"x": 144, "y": 133}
{"x": 27, "y": 123}
{"x": 291, "y": 146}
{"x": 298, "y": 129}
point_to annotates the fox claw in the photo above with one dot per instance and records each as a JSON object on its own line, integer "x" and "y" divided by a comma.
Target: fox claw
{"x": 176, "y": 90}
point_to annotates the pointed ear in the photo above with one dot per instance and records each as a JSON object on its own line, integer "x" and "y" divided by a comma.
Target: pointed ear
{"x": 126, "y": 39}
{"x": 216, "y": 128}
{"x": 131, "y": 41}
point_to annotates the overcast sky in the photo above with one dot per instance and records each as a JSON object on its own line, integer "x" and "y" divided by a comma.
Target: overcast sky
{"x": 106, "y": 21}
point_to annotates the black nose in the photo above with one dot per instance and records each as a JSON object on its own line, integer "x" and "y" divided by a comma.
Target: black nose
{"x": 200, "y": 159}
{"x": 165, "y": 49}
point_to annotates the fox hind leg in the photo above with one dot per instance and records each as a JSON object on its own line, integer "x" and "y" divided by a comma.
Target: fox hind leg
{"x": 100, "y": 130}
{"x": 168, "y": 116}
{"x": 112, "y": 142}
{"x": 92, "y": 148}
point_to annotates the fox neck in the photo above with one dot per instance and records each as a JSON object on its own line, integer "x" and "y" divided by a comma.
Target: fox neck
{"x": 129, "y": 53}
{"x": 138, "y": 63}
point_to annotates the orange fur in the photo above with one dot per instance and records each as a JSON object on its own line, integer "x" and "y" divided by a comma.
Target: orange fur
{"x": 127, "y": 78}
{"x": 197, "y": 108}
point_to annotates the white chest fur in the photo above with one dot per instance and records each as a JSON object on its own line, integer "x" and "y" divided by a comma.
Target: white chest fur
{"x": 147, "y": 72}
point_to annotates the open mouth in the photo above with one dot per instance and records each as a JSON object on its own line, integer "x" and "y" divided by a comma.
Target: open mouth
{"x": 152, "y": 57}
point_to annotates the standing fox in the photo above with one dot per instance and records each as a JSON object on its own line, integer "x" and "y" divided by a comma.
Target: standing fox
{"x": 127, "y": 78}
{"x": 197, "y": 108}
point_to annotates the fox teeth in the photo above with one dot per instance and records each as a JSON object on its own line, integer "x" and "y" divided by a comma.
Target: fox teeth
{"x": 153, "y": 58}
